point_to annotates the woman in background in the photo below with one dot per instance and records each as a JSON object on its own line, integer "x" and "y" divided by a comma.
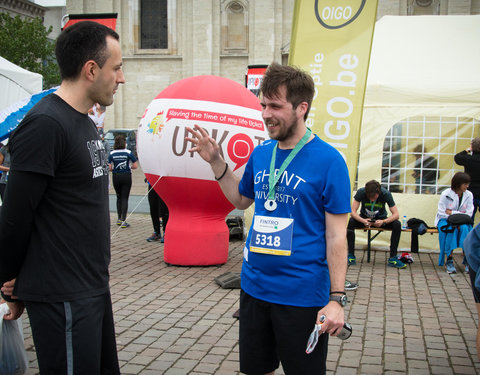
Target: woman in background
{"x": 455, "y": 200}
{"x": 121, "y": 162}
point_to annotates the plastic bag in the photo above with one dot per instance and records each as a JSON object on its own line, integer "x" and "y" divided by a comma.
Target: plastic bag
{"x": 13, "y": 356}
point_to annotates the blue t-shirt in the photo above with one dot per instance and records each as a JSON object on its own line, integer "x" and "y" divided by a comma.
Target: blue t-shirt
{"x": 471, "y": 246}
{"x": 315, "y": 182}
{"x": 121, "y": 161}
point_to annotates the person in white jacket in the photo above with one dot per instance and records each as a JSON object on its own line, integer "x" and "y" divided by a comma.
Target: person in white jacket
{"x": 454, "y": 200}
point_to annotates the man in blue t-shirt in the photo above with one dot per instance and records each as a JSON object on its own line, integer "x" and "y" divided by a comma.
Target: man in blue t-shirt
{"x": 294, "y": 264}
{"x": 372, "y": 199}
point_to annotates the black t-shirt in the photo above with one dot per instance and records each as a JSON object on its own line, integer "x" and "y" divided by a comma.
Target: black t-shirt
{"x": 472, "y": 167}
{"x": 68, "y": 251}
{"x": 374, "y": 210}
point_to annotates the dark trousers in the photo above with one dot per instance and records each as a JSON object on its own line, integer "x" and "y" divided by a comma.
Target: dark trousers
{"x": 122, "y": 183}
{"x": 395, "y": 226}
{"x": 158, "y": 209}
{"x": 3, "y": 186}
{"x": 75, "y": 337}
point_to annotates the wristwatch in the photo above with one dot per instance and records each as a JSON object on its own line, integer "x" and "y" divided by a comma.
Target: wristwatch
{"x": 342, "y": 299}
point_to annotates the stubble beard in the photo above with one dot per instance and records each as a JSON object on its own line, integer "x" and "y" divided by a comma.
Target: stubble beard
{"x": 288, "y": 132}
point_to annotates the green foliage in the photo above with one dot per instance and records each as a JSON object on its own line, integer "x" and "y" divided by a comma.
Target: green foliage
{"x": 25, "y": 42}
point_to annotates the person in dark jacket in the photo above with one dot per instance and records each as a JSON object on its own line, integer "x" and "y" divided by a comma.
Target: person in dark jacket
{"x": 55, "y": 221}
{"x": 470, "y": 159}
{"x": 471, "y": 246}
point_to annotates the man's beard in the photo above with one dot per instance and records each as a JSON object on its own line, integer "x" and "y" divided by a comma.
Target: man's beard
{"x": 290, "y": 130}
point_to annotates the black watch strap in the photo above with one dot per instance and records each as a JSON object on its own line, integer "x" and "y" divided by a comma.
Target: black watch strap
{"x": 338, "y": 292}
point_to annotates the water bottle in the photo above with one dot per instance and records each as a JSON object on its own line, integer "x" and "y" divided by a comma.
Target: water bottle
{"x": 404, "y": 222}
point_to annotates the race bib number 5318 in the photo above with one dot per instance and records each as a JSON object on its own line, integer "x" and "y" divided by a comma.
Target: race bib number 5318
{"x": 272, "y": 235}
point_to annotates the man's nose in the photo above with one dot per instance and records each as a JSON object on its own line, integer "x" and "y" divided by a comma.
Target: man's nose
{"x": 121, "y": 77}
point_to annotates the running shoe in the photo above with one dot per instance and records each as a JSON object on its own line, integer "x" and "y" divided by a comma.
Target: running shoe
{"x": 395, "y": 262}
{"x": 450, "y": 266}
{"x": 119, "y": 222}
{"x": 467, "y": 270}
{"x": 124, "y": 225}
{"x": 352, "y": 260}
{"x": 350, "y": 285}
{"x": 162, "y": 240}
{"x": 153, "y": 237}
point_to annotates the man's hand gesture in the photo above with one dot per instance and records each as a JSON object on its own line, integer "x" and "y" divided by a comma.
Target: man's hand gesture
{"x": 203, "y": 144}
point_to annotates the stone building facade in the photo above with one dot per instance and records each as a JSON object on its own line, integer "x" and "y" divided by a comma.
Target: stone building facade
{"x": 164, "y": 41}
{"x": 22, "y": 8}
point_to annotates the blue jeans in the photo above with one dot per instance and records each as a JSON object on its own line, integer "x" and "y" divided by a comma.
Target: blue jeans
{"x": 450, "y": 241}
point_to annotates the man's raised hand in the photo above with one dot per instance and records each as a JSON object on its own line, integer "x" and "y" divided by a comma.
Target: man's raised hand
{"x": 203, "y": 144}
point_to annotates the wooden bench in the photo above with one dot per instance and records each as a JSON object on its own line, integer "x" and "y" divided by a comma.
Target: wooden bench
{"x": 370, "y": 238}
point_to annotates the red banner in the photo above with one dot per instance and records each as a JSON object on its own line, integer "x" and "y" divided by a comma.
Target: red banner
{"x": 107, "y": 19}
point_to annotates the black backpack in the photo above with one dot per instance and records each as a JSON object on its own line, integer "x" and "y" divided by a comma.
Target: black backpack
{"x": 417, "y": 225}
{"x": 455, "y": 221}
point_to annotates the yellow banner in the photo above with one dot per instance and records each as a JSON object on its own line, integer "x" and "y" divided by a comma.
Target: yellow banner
{"x": 331, "y": 39}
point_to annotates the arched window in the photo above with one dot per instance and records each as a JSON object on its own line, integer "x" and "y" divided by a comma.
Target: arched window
{"x": 423, "y": 7}
{"x": 234, "y": 27}
{"x": 418, "y": 153}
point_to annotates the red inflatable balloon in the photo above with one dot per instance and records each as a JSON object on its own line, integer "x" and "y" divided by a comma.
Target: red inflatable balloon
{"x": 196, "y": 232}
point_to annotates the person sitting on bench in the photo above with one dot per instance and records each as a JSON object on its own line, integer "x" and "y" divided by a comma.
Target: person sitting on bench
{"x": 373, "y": 198}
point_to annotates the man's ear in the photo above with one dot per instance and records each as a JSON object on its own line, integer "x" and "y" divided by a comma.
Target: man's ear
{"x": 90, "y": 69}
{"x": 302, "y": 109}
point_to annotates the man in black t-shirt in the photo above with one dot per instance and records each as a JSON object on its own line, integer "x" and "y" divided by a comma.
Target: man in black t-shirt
{"x": 372, "y": 199}
{"x": 470, "y": 159}
{"x": 55, "y": 223}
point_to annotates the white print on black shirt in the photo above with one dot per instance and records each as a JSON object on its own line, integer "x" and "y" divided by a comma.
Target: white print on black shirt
{"x": 99, "y": 158}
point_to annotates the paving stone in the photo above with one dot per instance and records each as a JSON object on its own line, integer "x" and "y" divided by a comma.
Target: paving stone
{"x": 177, "y": 320}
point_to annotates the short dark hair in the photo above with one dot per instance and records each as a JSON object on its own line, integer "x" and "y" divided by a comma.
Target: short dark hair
{"x": 372, "y": 187}
{"x": 120, "y": 142}
{"x": 476, "y": 144}
{"x": 79, "y": 43}
{"x": 299, "y": 84}
{"x": 419, "y": 149}
{"x": 459, "y": 179}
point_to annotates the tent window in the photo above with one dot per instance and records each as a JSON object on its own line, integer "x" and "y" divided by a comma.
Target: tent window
{"x": 418, "y": 153}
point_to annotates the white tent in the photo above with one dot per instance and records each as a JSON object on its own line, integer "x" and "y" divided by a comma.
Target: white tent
{"x": 16, "y": 83}
{"x": 419, "y": 66}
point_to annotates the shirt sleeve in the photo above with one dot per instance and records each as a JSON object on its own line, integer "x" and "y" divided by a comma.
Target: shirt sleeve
{"x": 22, "y": 196}
{"x": 462, "y": 158}
{"x": 37, "y": 146}
{"x": 337, "y": 191}
{"x": 389, "y": 199}
{"x": 359, "y": 195}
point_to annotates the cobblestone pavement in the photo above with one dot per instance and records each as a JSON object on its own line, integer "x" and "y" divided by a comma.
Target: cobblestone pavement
{"x": 177, "y": 320}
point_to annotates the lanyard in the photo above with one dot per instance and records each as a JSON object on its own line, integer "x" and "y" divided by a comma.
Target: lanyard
{"x": 273, "y": 179}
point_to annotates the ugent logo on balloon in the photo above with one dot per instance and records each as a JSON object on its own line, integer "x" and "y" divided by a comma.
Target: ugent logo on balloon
{"x": 333, "y": 15}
